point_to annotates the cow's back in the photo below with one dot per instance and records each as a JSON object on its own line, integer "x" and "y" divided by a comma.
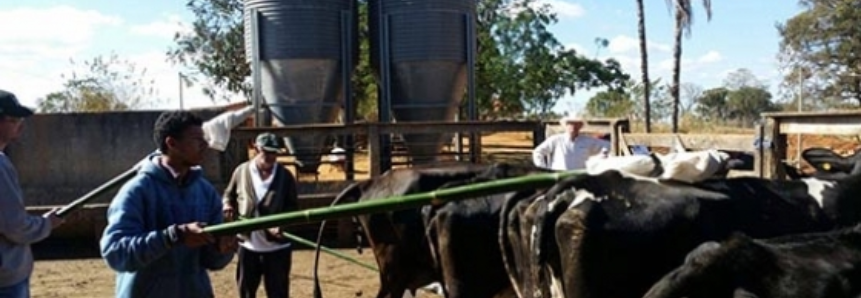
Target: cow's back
{"x": 635, "y": 230}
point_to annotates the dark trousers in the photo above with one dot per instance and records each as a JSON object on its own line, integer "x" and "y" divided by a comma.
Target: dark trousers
{"x": 273, "y": 266}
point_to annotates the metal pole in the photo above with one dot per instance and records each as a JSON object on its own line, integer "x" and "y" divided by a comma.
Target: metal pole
{"x": 800, "y": 108}
{"x": 472, "y": 109}
{"x": 385, "y": 103}
{"x": 349, "y": 106}
{"x": 180, "y": 91}
{"x": 255, "y": 67}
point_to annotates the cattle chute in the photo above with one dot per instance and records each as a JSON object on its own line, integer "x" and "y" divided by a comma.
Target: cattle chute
{"x": 393, "y": 203}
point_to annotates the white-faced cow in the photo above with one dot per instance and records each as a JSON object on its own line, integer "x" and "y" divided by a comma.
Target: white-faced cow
{"x": 614, "y": 235}
{"x": 815, "y": 265}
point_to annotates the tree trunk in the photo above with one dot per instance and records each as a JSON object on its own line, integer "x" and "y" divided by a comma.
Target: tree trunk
{"x": 677, "y": 65}
{"x": 644, "y": 66}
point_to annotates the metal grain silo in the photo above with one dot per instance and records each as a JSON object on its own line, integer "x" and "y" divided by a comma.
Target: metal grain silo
{"x": 306, "y": 51}
{"x": 420, "y": 50}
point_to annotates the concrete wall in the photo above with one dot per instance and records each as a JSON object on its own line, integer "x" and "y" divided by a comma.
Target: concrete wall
{"x": 61, "y": 157}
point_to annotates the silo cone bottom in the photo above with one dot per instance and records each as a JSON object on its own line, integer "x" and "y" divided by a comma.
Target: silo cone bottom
{"x": 307, "y": 151}
{"x": 425, "y": 148}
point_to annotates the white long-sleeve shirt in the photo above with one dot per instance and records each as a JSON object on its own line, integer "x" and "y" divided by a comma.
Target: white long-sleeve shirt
{"x": 258, "y": 241}
{"x": 566, "y": 154}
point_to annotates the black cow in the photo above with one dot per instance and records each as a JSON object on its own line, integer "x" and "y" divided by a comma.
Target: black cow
{"x": 620, "y": 233}
{"x": 398, "y": 239}
{"x": 465, "y": 237}
{"x": 816, "y": 265}
{"x": 828, "y": 164}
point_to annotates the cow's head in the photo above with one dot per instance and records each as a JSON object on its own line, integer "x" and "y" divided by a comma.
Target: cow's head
{"x": 730, "y": 160}
{"x": 831, "y": 166}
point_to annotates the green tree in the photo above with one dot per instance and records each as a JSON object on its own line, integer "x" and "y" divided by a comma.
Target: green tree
{"x": 214, "y": 49}
{"x": 742, "y": 77}
{"x": 747, "y": 97}
{"x": 106, "y": 84}
{"x": 613, "y": 103}
{"x": 690, "y": 92}
{"x": 747, "y": 103}
{"x": 712, "y": 105}
{"x": 520, "y": 65}
{"x": 658, "y": 100}
{"x": 684, "y": 16}
{"x": 824, "y": 39}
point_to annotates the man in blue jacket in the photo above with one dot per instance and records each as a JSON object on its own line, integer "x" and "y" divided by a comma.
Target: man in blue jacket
{"x": 154, "y": 238}
{"x": 18, "y": 229}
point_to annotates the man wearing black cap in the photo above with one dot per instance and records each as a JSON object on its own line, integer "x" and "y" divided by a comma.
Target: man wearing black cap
{"x": 260, "y": 187}
{"x": 17, "y": 228}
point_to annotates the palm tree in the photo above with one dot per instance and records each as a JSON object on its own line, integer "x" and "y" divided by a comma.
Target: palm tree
{"x": 644, "y": 65}
{"x": 684, "y": 14}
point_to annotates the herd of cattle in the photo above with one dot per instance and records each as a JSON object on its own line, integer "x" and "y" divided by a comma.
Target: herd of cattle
{"x": 616, "y": 234}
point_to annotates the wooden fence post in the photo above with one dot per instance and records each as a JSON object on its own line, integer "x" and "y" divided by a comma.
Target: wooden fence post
{"x": 759, "y": 153}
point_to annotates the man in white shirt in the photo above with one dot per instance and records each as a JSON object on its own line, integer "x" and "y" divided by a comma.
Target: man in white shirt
{"x": 568, "y": 150}
{"x": 260, "y": 187}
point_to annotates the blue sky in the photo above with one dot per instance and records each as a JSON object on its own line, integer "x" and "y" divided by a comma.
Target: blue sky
{"x": 47, "y": 33}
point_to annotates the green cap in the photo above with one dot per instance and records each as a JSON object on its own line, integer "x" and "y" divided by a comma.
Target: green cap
{"x": 268, "y": 142}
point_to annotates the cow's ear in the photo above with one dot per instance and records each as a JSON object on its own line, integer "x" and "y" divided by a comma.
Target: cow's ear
{"x": 822, "y": 159}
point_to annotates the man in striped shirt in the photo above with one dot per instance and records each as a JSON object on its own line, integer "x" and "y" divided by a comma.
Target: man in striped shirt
{"x": 568, "y": 150}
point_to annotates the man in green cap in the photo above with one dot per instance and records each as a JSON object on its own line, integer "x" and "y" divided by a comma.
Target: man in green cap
{"x": 261, "y": 187}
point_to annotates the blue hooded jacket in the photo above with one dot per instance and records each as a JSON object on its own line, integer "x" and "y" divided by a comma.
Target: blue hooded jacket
{"x": 141, "y": 223}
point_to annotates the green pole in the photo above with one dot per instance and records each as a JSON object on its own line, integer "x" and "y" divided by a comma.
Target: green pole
{"x": 329, "y": 251}
{"x": 392, "y": 203}
{"x": 308, "y": 243}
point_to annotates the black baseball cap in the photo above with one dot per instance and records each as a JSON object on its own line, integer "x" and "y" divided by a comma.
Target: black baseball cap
{"x": 9, "y": 106}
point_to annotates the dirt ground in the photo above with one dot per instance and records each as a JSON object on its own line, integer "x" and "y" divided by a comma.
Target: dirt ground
{"x": 91, "y": 278}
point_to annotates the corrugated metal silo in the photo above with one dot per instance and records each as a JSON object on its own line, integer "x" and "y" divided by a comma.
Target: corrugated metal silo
{"x": 301, "y": 58}
{"x": 427, "y": 49}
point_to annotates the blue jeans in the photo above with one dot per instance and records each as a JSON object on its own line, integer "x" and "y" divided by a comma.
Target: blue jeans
{"x": 19, "y": 290}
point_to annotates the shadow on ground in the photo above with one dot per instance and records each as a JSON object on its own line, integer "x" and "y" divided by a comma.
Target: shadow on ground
{"x": 66, "y": 248}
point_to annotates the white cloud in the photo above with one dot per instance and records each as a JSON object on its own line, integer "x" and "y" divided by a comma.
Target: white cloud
{"x": 564, "y": 8}
{"x": 37, "y": 52}
{"x": 710, "y": 57}
{"x": 40, "y": 42}
{"x": 622, "y": 44}
{"x": 166, "y": 27}
{"x": 165, "y": 77}
{"x": 690, "y": 65}
{"x": 68, "y": 25}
